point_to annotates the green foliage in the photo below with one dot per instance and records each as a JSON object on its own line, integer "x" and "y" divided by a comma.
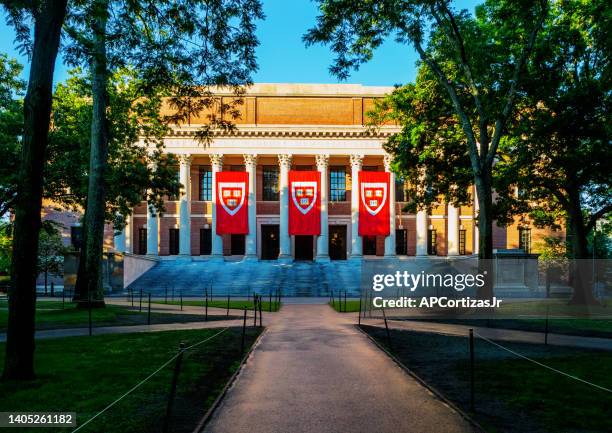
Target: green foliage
{"x": 558, "y": 153}
{"x": 6, "y": 243}
{"x": 11, "y": 128}
{"x": 51, "y": 249}
{"x": 132, "y": 169}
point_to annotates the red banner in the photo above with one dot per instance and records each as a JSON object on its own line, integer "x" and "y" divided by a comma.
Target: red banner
{"x": 374, "y": 203}
{"x": 304, "y": 203}
{"x": 232, "y": 188}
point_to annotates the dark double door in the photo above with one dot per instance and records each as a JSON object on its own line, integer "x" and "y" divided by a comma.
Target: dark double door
{"x": 269, "y": 241}
{"x": 337, "y": 242}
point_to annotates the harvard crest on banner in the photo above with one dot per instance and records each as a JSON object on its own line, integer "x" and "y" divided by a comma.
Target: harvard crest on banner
{"x": 232, "y": 188}
{"x": 304, "y": 203}
{"x": 374, "y": 203}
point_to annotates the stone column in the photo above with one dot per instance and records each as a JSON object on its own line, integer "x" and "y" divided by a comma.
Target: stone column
{"x": 185, "y": 206}
{"x": 421, "y": 233}
{"x": 129, "y": 244}
{"x": 152, "y": 231}
{"x": 390, "y": 240}
{"x": 216, "y": 161}
{"x": 453, "y": 230}
{"x": 323, "y": 238}
{"x": 285, "y": 240}
{"x": 356, "y": 241}
{"x": 250, "y": 162}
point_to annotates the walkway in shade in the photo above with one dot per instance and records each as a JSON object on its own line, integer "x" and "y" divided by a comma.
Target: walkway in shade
{"x": 313, "y": 371}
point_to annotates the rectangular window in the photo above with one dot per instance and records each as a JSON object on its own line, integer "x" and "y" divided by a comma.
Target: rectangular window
{"x": 401, "y": 242}
{"x": 205, "y": 183}
{"x": 174, "y": 197}
{"x": 525, "y": 239}
{"x": 173, "y": 242}
{"x": 431, "y": 242}
{"x": 400, "y": 192}
{"x": 270, "y": 183}
{"x": 462, "y": 242}
{"x": 76, "y": 237}
{"x": 205, "y": 242}
{"x": 337, "y": 184}
{"x": 142, "y": 241}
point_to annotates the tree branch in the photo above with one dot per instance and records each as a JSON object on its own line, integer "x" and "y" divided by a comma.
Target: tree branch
{"x": 503, "y": 117}
{"x": 463, "y": 117}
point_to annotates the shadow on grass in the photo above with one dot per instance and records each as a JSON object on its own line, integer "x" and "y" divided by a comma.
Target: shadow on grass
{"x": 512, "y": 395}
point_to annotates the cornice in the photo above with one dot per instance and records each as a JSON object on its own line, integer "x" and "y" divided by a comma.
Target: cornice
{"x": 265, "y": 132}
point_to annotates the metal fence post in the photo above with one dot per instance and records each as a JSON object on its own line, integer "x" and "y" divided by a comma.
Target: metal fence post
{"x": 472, "y": 370}
{"x": 149, "y": 312}
{"x": 140, "y": 303}
{"x": 89, "y": 310}
{"x": 359, "y": 317}
{"x": 387, "y": 329}
{"x": 546, "y": 328}
{"x": 260, "y": 313}
{"x": 228, "y": 305}
{"x": 255, "y": 309}
{"x": 206, "y": 307}
{"x": 175, "y": 376}
{"x": 172, "y": 294}
{"x": 345, "y": 301}
{"x": 243, "y": 331}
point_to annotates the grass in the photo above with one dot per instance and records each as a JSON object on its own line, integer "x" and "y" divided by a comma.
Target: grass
{"x": 512, "y": 395}
{"x": 351, "y": 306}
{"x": 85, "y": 374}
{"x": 50, "y": 315}
{"x": 222, "y": 303}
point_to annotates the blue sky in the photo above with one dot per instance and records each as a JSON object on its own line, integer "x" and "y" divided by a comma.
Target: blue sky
{"x": 282, "y": 56}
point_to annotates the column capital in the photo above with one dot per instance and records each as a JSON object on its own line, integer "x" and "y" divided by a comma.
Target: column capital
{"x": 387, "y": 160}
{"x": 185, "y": 159}
{"x": 250, "y": 159}
{"x": 284, "y": 160}
{"x": 322, "y": 161}
{"x": 356, "y": 160}
{"x": 216, "y": 159}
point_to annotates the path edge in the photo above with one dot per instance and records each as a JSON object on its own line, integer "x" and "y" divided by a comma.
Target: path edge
{"x": 423, "y": 383}
{"x": 211, "y": 410}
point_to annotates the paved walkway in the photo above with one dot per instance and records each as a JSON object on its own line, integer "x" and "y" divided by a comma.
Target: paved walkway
{"x": 510, "y": 335}
{"x": 314, "y": 372}
{"x": 103, "y": 330}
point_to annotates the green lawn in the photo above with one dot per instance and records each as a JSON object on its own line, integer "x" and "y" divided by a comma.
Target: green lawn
{"x": 50, "y": 315}
{"x": 351, "y": 306}
{"x": 85, "y": 374}
{"x": 512, "y": 395}
{"x": 222, "y": 303}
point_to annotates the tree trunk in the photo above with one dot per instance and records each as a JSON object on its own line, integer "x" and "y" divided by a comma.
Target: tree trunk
{"x": 96, "y": 197}
{"x": 19, "y": 362}
{"x": 580, "y": 267}
{"x": 485, "y": 231}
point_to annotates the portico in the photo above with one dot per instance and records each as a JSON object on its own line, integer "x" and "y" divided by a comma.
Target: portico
{"x": 283, "y": 128}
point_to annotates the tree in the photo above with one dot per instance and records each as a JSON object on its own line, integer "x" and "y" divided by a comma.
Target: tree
{"x": 558, "y": 151}
{"x": 482, "y": 57}
{"x": 184, "y": 47}
{"x": 11, "y": 129}
{"x": 50, "y": 250}
{"x": 48, "y": 17}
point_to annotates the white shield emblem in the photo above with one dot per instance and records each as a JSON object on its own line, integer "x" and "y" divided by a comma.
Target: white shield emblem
{"x": 304, "y": 195}
{"x": 231, "y": 196}
{"x": 373, "y": 196}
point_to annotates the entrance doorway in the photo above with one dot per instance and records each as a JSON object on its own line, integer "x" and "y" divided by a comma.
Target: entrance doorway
{"x": 269, "y": 242}
{"x": 369, "y": 245}
{"x": 337, "y": 242}
{"x": 303, "y": 247}
{"x": 237, "y": 245}
{"x": 205, "y": 242}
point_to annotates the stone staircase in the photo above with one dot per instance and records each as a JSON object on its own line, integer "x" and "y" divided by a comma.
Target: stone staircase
{"x": 239, "y": 278}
